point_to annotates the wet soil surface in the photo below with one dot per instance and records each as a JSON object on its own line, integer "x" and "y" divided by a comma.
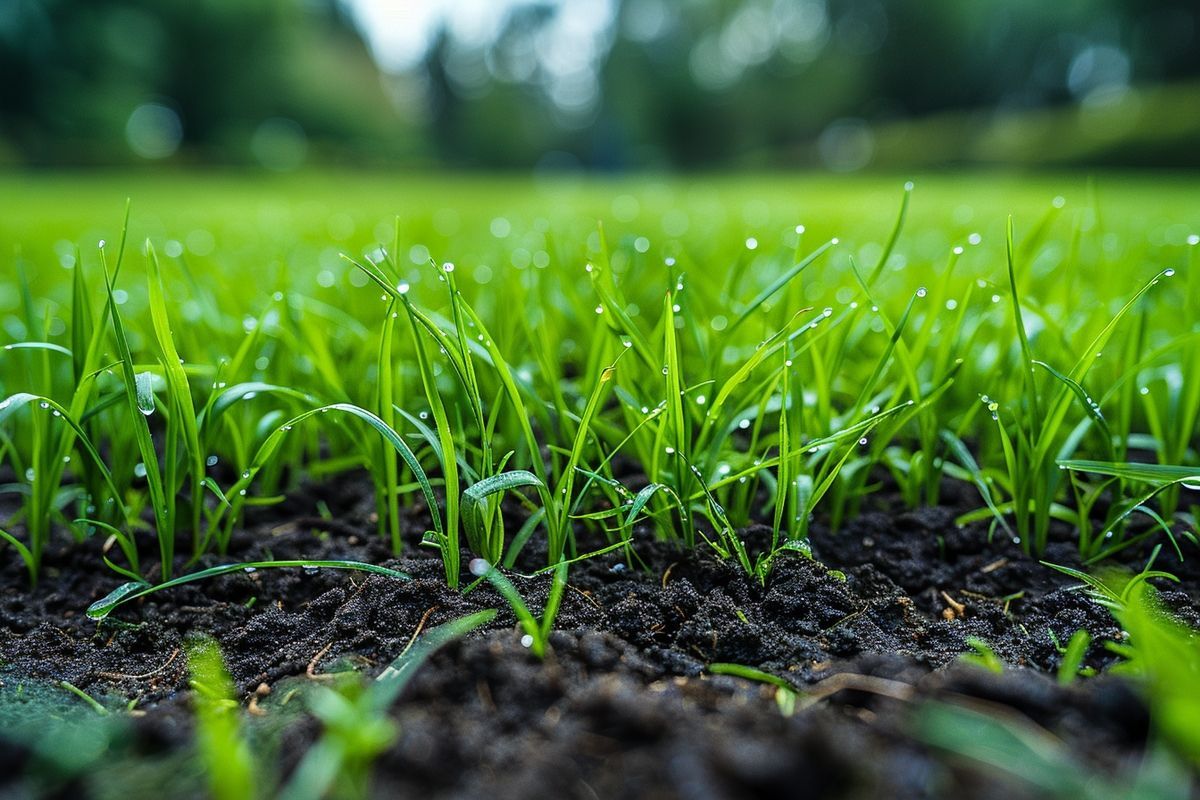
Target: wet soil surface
{"x": 871, "y": 631}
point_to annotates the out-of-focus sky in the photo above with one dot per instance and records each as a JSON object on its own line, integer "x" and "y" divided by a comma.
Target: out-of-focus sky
{"x": 399, "y": 31}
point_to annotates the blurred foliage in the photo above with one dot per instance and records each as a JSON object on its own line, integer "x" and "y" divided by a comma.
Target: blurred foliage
{"x": 605, "y": 84}
{"x": 228, "y": 70}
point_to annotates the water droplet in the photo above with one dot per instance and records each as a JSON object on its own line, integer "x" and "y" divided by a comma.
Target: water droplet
{"x": 921, "y": 292}
{"x": 751, "y": 243}
{"x": 249, "y": 569}
{"x": 211, "y": 461}
{"x": 799, "y": 229}
{"x": 448, "y": 266}
{"x": 310, "y": 569}
{"x": 1168, "y": 273}
{"x": 139, "y": 469}
{"x": 527, "y": 641}
{"x": 835, "y": 240}
{"x": 670, "y": 451}
{"x": 479, "y": 567}
{"x": 665, "y": 370}
{"x": 744, "y": 424}
{"x": 599, "y": 309}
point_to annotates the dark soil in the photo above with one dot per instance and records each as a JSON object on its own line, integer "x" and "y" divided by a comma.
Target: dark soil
{"x": 623, "y": 705}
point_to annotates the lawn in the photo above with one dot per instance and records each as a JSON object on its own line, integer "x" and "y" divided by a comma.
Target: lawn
{"x": 745, "y": 481}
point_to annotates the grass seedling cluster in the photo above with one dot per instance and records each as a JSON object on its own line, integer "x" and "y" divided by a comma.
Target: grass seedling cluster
{"x": 598, "y": 381}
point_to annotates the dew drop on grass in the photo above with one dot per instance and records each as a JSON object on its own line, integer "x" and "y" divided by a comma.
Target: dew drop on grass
{"x": 799, "y": 229}
{"x": 751, "y": 243}
{"x": 242, "y": 492}
{"x": 139, "y": 469}
{"x": 527, "y": 641}
{"x": 666, "y": 370}
{"x": 246, "y": 474}
{"x": 402, "y": 288}
{"x": 249, "y": 569}
{"x": 424, "y": 415}
{"x": 1170, "y": 273}
{"x": 30, "y": 474}
{"x": 311, "y": 570}
{"x": 958, "y": 251}
{"x": 835, "y": 240}
{"x": 448, "y": 266}
{"x": 211, "y": 461}
{"x": 599, "y": 309}
{"x": 744, "y": 424}
{"x": 921, "y": 292}
{"x": 951, "y": 304}
{"x": 479, "y": 567}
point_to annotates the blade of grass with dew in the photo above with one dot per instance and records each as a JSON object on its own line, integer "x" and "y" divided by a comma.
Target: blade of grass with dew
{"x": 131, "y": 591}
